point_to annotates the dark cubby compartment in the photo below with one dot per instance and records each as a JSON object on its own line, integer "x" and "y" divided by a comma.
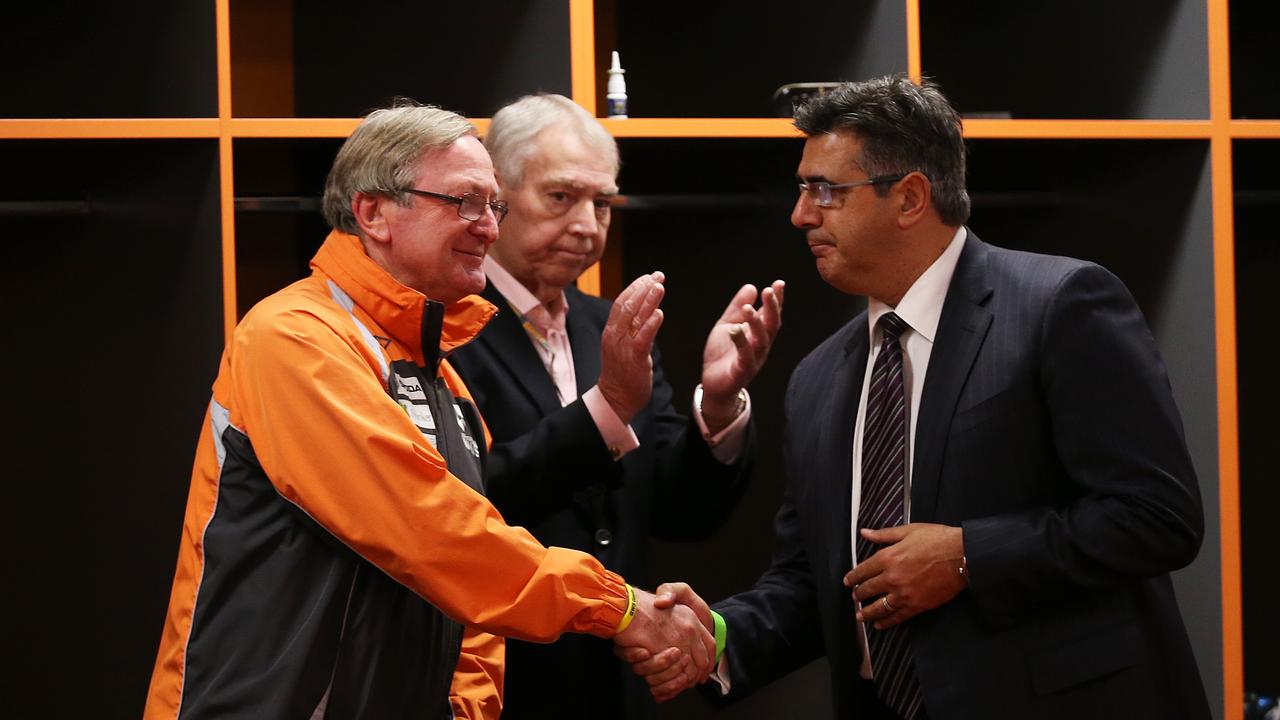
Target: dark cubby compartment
{"x": 279, "y": 225}
{"x": 1095, "y": 59}
{"x": 1254, "y": 61}
{"x": 726, "y": 59}
{"x": 116, "y": 286}
{"x": 1257, "y": 254}
{"x": 293, "y": 59}
{"x": 148, "y": 59}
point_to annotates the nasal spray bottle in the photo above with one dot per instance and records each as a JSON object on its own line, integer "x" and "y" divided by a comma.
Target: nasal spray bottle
{"x": 616, "y": 94}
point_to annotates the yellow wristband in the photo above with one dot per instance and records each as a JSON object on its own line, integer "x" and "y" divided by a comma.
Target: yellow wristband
{"x": 631, "y": 610}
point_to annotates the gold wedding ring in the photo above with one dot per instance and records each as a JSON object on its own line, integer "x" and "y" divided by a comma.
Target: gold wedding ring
{"x": 884, "y": 600}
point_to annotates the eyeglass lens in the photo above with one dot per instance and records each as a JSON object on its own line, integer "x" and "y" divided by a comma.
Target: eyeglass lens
{"x": 819, "y": 192}
{"x": 472, "y": 207}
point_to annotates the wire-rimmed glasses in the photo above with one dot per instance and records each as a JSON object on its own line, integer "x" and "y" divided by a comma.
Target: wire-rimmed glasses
{"x": 470, "y": 205}
{"x": 820, "y": 191}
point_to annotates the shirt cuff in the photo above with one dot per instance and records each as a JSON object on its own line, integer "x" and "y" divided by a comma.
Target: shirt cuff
{"x": 726, "y": 445}
{"x": 618, "y": 436}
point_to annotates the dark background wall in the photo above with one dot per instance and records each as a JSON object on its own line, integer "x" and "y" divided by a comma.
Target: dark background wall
{"x": 114, "y": 327}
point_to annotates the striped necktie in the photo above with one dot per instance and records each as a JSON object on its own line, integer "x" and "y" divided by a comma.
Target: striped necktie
{"x": 884, "y": 454}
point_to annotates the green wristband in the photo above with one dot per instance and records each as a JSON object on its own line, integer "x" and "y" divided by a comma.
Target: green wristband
{"x": 721, "y": 633}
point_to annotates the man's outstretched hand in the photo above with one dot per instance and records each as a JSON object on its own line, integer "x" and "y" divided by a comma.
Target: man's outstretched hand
{"x": 674, "y": 633}
{"x": 736, "y": 350}
{"x": 626, "y": 366}
{"x": 666, "y": 671}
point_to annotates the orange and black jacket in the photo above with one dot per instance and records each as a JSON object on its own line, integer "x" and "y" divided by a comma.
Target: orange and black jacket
{"x": 336, "y": 534}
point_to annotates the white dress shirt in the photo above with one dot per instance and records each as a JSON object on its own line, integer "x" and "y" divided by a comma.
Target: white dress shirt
{"x": 920, "y": 308}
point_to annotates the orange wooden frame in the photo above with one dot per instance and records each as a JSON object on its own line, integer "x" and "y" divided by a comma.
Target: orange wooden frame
{"x": 1224, "y": 305}
{"x": 1219, "y": 130}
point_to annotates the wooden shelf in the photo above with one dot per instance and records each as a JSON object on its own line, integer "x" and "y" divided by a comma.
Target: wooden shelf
{"x": 1255, "y": 129}
{"x": 111, "y": 128}
{"x": 987, "y": 128}
{"x": 306, "y": 127}
{"x": 700, "y": 127}
{"x": 1087, "y": 129}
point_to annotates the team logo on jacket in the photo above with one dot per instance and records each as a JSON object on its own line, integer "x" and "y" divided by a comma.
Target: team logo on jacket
{"x": 409, "y": 393}
{"x": 467, "y": 441}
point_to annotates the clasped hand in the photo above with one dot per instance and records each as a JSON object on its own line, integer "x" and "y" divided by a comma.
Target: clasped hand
{"x": 918, "y": 569}
{"x": 667, "y": 671}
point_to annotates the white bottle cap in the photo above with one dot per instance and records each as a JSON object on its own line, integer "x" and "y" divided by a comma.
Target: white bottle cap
{"x": 617, "y": 83}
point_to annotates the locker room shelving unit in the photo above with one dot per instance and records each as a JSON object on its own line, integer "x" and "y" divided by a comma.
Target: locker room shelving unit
{"x": 165, "y": 161}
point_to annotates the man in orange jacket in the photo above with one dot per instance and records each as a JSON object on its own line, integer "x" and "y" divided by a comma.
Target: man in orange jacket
{"x": 338, "y": 557}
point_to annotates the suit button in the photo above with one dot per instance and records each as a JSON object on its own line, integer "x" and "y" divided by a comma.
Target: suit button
{"x": 603, "y": 537}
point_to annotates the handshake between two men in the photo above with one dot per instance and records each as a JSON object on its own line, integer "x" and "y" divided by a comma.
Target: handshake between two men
{"x": 669, "y": 643}
{"x": 916, "y": 565}
{"x": 686, "y": 662}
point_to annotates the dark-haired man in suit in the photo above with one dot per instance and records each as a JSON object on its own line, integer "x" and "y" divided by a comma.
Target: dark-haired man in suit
{"x": 988, "y": 482}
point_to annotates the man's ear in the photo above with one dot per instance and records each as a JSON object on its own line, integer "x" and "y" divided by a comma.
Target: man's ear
{"x": 370, "y": 212}
{"x": 914, "y": 194}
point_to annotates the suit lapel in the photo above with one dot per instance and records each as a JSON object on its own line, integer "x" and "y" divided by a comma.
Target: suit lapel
{"x": 511, "y": 346}
{"x": 836, "y": 438}
{"x": 962, "y": 327}
{"x": 584, "y": 341}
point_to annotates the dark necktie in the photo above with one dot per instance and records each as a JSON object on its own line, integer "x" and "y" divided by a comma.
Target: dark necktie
{"x": 884, "y": 454}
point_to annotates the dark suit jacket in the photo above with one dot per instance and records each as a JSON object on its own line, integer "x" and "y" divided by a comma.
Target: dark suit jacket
{"x": 1048, "y": 431}
{"x": 549, "y": 471}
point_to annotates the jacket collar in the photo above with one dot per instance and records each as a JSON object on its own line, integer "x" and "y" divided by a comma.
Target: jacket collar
{"x": 428, "y": 329}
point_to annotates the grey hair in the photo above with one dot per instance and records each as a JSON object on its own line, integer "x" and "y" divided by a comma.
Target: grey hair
{"x": 379, "y": 157}
{"x": 904, "y": 127}
{"x": 514, "y": 128}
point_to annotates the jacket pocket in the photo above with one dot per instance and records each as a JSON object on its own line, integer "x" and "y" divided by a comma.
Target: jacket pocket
{"x": 1004, "y": 406}
{"x": 1092, "y": 656}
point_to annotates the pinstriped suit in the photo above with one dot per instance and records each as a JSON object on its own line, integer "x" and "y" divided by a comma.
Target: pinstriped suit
{"x": 1047, "y": 430}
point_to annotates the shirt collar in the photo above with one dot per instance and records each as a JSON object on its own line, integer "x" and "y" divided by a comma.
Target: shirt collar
{"x": 519, "y": 297}
{"x": 921, "y": 307}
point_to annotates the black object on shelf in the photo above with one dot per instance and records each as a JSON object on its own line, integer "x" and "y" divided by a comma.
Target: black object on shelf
{"x": 787, "y": 98}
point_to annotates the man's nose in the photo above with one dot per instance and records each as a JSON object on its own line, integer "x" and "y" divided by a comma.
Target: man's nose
{"x": 584, "y": 220}
{"x": 805, "y": 214}
{"x": 486, "y": 227}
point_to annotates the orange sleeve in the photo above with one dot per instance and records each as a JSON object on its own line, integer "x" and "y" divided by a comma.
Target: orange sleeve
{"x": 476, "y": 693}
{"x": 310, "y": 398}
